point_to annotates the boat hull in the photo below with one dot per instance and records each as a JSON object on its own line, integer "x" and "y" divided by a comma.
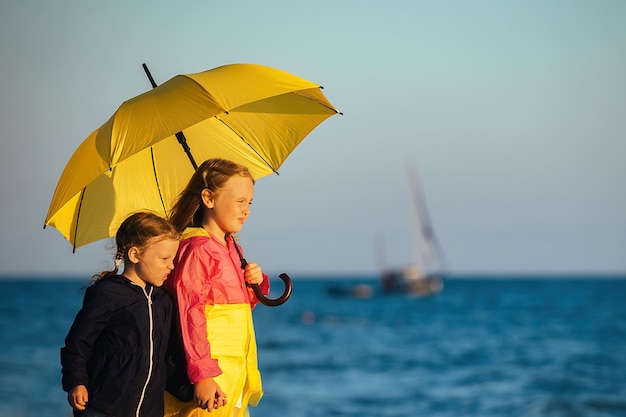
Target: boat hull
{"x": 411, "y": 282}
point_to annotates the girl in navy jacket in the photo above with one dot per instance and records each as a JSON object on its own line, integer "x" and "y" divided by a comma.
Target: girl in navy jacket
{"x": 113, "y": 361}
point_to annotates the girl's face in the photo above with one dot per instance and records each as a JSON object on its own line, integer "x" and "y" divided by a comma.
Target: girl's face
{"x": 153, "y": 263}
{"x": 229, "y": 206}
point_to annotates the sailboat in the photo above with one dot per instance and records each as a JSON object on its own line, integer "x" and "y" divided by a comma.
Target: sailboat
{"x": 424, "y": 275}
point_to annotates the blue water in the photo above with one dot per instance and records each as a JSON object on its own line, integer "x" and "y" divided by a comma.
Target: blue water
{"x": 480, "y": 348}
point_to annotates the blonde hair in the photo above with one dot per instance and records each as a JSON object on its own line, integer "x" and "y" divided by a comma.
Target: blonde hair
{"x": 139, "y": 229}
{"x": 212, "y": 174}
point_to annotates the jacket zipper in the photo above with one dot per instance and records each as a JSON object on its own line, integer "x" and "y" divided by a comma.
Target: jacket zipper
{"x": 145, "y": 386}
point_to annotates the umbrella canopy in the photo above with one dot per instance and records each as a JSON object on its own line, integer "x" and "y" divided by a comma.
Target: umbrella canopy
{"x": 250, "y": 114}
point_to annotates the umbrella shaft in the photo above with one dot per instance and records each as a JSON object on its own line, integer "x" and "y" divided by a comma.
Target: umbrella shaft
{"x": 183, "y": 142}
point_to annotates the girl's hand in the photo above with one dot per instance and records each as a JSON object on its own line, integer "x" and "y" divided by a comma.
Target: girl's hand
{"x": 208, "y": 395}
{"x": 253, "y": 274}
{"x": 78, "y": 397}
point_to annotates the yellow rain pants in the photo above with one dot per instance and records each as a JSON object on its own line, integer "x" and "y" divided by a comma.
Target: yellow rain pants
{"x": 230, "y": 331}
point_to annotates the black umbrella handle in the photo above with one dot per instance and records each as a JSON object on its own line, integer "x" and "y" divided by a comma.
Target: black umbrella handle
{"x": 278, "y": 301}
{"x": 257, "y": 290}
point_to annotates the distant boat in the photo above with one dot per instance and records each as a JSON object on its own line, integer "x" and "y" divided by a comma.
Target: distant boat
{"x": 424, "y": 275}
{"x": 353, "y": 291}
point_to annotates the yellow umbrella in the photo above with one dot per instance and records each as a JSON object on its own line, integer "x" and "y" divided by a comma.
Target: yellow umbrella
{"x": 251, "y": 114}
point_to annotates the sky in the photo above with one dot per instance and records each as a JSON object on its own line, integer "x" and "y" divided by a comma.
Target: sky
{"x": 512, "y": 112}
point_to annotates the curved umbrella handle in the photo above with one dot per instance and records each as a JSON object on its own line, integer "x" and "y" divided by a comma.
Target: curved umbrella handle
{"x": 280, "y": 300}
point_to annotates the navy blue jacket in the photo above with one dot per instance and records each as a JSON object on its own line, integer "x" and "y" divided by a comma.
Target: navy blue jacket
{"x": 117, "y": 345}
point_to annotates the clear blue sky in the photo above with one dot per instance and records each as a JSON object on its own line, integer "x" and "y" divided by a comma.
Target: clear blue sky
{"x": 513, "y": 111}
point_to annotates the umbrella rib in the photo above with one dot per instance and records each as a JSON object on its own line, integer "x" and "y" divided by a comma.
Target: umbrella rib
{"x": 80, "y": 205}
{"x": 321, "y": 103}
{"x": 251, "y": 147}
{"x": 156, "y": 179}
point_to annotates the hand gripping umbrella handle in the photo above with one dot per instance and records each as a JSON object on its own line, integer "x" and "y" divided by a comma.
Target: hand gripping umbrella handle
{"x": 257, "y": 290}
{"x": 278, "y": 301}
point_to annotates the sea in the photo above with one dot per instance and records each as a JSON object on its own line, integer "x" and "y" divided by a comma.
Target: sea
{"x": 482, "y": 347}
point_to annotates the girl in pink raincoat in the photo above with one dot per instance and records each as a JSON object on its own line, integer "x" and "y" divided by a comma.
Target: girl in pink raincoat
{"x": 213, "y": 301}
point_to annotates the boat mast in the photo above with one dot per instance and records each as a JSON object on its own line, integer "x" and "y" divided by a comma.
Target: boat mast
{"x": 427, "y": 249}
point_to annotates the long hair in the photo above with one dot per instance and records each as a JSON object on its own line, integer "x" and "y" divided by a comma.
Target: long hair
{"x": 140, "y": 229}
{"x": 211, "y": 174}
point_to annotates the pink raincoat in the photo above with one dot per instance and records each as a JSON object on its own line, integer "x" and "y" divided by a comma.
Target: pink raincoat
{"x": 215, "y": 309}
